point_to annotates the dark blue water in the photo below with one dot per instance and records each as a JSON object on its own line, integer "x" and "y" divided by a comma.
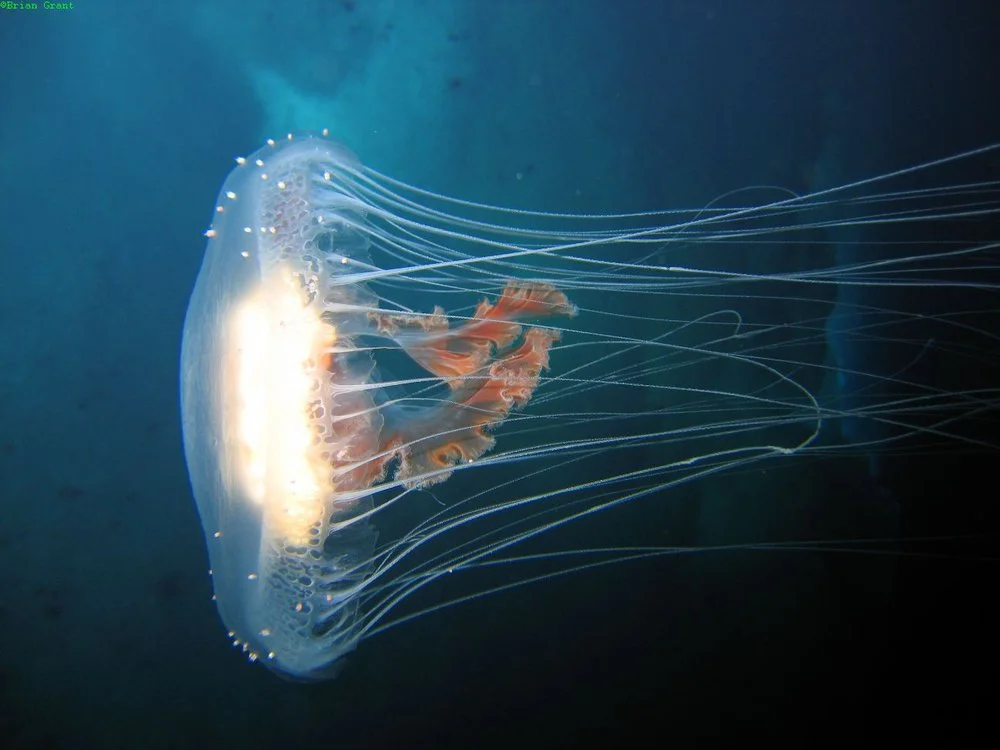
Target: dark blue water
{"x": 119, "y": 124}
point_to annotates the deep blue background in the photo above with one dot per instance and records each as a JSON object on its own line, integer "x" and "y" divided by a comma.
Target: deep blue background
{"x": 120, "y": 121}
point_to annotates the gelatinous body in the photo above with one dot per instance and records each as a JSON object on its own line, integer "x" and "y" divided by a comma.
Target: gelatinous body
{"x": 326, "y": 393}
{"x": 284, "y": 435}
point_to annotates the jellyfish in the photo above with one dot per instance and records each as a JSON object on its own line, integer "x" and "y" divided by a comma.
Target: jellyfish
{"x": 354, "y": 345}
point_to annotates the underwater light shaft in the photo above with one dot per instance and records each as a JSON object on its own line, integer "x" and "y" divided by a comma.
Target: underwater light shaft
{"x": 353, "y": 342}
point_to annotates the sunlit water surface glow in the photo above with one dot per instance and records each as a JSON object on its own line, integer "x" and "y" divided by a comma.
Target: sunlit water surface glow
{"x": 764, "y": 328}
